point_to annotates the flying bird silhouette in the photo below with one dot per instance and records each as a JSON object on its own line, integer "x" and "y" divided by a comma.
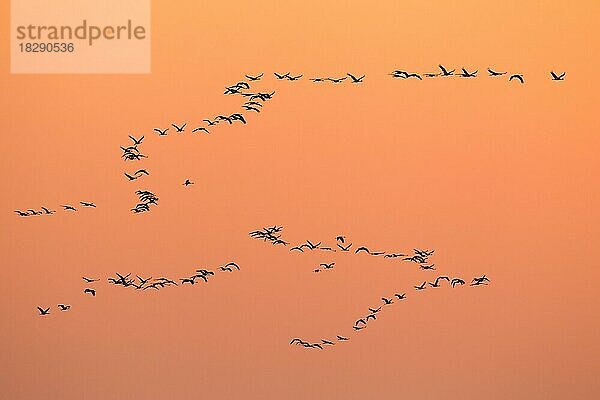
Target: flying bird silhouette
{"x": 162, "y": 132}
{"x": 254, "y": 78}
{"x": 180, "y": 128}
{"x": 518, "y": 77}
{"x": 44, "y": 311}
{"x": 136, "y": 141}
{"x": 355, "y": 79}
{"x": 495, "y": 73}
{"x": 90, "y": 291}
{"x": 555, "y": 77}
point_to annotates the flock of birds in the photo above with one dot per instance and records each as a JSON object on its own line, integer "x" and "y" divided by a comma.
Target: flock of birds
{"x": 341, "y": 244}
{"x": 140, "y": 283}
{"x": 420, "y": 257}
{"x": 386, "y": 301}
{"x": 46, "y": 211}
{"x": 253, "y": 102}
{"x": 464, "y": 73}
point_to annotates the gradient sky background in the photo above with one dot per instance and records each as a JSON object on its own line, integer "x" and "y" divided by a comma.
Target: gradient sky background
{"x": 500, "y": 179}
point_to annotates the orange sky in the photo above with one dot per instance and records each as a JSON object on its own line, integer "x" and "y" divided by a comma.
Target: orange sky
{"x": 500, "y": 179}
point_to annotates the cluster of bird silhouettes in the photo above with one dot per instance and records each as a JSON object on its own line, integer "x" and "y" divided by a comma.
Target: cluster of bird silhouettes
{"x": 253, "y": 102}
{"x": 146, "y": 198}
{"x": 140, "y": 283}
{"x": 373, "y": 312}
{"x": 464, "y": 73}
{"x": 269, "y": 234}
{"x": 46, "y": 211}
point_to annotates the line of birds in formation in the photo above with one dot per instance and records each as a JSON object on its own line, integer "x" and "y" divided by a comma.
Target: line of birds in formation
{"x": 140, "y": 283}
{"x": 131, "y": 152}
{"x": 363, "y": 322}
{"x": 443, "y": 72}
{"x": 273, "y": 234}
{"x": 464, "y": 73}
{"x": 46, "y": 211}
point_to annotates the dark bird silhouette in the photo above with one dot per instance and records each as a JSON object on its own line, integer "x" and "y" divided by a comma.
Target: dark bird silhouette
{"x": 372, "y": 316}
{"x": 360, "y": 321}
{"x": 224, "y": 118}
{"x": 346, "y": 248}
{"x": 394, "y": 255}
{"x": 68, "y": 207}
{"x": 467, "y": 74}
{"x": 136, "y": 141}
{"x": 294, "y": 78}
{"x": 226, "y": 269}
{"x": 362, "y": 248}
{"x": 342, "y": 337}
{"x": 47, "y": 211}
{"x": 556, "y": 77}
{"x": 437, "y": 281}
{"x": 187, "y": 182}
{"x": 423, "y": 285}
{"x": 479, "y": 281}
{"x": 445, "y": 72}
{"x": 299, "y": 248}
{"x": 162, "y": 132}
{"x": 518, "y": 77}
{"x": 87, "y": 204}
{"x": 191, "y": 280}
{"x": 358, "y": 328}
{"x": 387, "y": 301}
{"x": 281, "y": 76}
{"x": 211, "y": 123}
{"x": 375, "y": 310}
{"x": 130, "y": 177}
{"x": 251, "y": 108}
{"x": 232, "y": 264}
{"x": 318, "y": 79}
{"x": 428, "y": 267}
{"x": 237, "y": 117}
{"x": 44, "y": 311}
{"x": 89, "y": 280}
{"x": 90, "y": 291}
{"x": 457, "y": 281}
{"x": 327, "y": 342}
{"x": 200, "y": 128}
{"x": 495, "y": 73}
{"x": 340, "y": 239}
{"x": 21, "y": 213}
{"x": 327, "y": 266}
{"x": 141, "y": 172}
{"x": 400, "y": 296}
{"x": 180, "y": 128}
{"x": 64, "y": 307}
{"x": 355, "y": 79}
{"x": 337, "y": 80}
{"x": 414, "y": 75}
{"x": 254, "y": 78}
{"x": 142, "y": 280}
{"x": 424, "y": 253}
